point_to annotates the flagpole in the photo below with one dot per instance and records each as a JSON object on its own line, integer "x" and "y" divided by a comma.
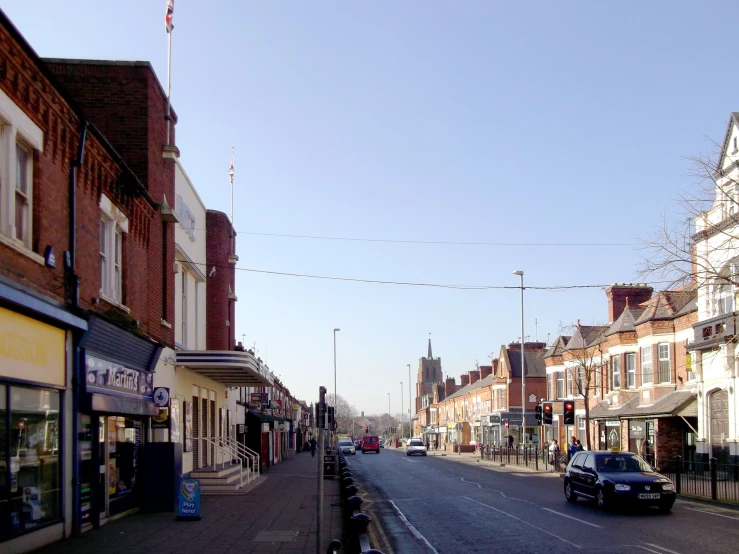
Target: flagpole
{"x": 232, "y": 185}
{"x": 169, "y": 83}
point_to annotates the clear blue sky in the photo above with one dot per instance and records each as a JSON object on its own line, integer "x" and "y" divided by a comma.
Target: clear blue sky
{"x": 531, "y": 123}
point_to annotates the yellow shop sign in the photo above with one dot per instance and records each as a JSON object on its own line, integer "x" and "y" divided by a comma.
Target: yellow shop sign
{"x": 30, "y": 350}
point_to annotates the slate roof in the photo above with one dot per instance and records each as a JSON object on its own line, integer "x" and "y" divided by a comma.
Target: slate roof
{"x": 474, "y": 386}
{"x": 669, "y": 304}
{"x": 586, "y": 335}
{"x": 535, "y": 365}
{"x": 626, "y": 321}
{"x": 558, "y": 346}
{"x": 669, "y": 405}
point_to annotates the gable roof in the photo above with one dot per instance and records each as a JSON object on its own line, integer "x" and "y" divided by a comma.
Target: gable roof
{"x": 669, "y": 305}
{"x": 586, "y": 335}
{"x": 480, "y": 383}
{"x": 535, "y": 364}
{"x": 733, "y": 121}
{"x": 558, "y": 346}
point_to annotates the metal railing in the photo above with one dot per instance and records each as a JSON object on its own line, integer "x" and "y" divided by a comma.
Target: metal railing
{"x": 711, "y": 479}
{"x": 253, "y": 459}
{"x": 530, "y": 455}
{"x": 226, "y": 454}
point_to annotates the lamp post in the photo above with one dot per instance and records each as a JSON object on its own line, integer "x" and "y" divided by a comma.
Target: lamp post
{"x": 523, "y": 366}
{"x": 410, "y": 408}
{"x": 336, "y": 396}
{"x": 402, "y": 417}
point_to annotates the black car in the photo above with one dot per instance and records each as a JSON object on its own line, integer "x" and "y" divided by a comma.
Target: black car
{"x": 612, "y": 478}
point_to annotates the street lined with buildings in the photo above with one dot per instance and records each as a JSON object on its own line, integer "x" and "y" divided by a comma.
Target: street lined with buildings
{"x": 459, "y": 506}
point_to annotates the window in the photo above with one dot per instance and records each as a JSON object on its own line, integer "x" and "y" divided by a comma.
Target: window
{"x": 581, "y": 421}
{"x": 665, "y": 372}
{"x": 631, "y": 370}
{"x": 113, "y": 223}
{"x": 725, "y": 300}
{"x": 616, "y": 370}
{"x": 550, "y": 385}
{"x": 569, "y": 382}
{"x": 560, "y": 384}
{"x": 183, "y": 298}
{"x": 646, "y": 366}
{"x": 29, "y": 447}
{"x": 196, "y": 344}
{"x": 23, "y": 186}
{"x": 581, "y": 382}
{"x": 690, "y": 362}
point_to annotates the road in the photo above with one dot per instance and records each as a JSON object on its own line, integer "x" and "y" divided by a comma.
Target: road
{"x": 436, "y": 504}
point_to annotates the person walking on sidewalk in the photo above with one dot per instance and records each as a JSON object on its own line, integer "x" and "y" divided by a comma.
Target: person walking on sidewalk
{"x": 573, "y": 447}
{"x": 313, "y": 447}
{"x": 554, "y": 455}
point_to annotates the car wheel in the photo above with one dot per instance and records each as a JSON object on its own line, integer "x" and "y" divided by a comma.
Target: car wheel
{"x": 424, "y": 453}
{"x": 569, "y": 493}
{"x": 600, "y": 498}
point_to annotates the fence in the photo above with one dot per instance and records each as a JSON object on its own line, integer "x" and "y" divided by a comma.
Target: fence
{"x": 711, "y": 479}
{"x": 528, "y": 456}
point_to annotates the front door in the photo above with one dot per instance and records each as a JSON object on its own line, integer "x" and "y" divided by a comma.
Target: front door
{"x": 719, "y": 406}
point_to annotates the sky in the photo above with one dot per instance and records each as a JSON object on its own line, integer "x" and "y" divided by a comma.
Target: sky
{"x": 556, "y": 133}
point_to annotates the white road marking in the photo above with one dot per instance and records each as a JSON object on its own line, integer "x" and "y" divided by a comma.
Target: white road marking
{"x": 523, "y": 521}
{"x": 412, "y": 529}
{"x": 712, "y": 513}
{"x": 501, "y": 493}
{"x": 661, "y": 548}
{"x": 411, "y": 461}
{"x": 570, "y": 517}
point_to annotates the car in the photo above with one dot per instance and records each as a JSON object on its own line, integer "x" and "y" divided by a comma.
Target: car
{"x": 370, "y": 443}
{"x": 358, "y": 444}
{"x": 613, "y": 478}
{"x": 416, "y": 448}
{"x": 346, "y": 446}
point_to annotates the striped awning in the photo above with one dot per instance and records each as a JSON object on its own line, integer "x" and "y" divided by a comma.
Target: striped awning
{"x": 231, "y": 368}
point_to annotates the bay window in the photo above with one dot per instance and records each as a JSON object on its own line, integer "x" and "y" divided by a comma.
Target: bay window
{"x": 665, "y": 371}
{"x": 616, "y": 371}
{"x": 647, "y": 378}
{"x": 631, "y": 370}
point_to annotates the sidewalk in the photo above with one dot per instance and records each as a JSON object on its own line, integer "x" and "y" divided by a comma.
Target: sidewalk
{"x": 278, "y": 516}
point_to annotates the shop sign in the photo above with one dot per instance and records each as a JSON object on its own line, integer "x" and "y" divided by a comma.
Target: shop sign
{"x": 637, "y": 430}
{"x": 494, "y": 420}
{"x": 31, "y": 350}
{"x": 613, "y": 423}
{"x": 296, "y": 406}
{"x": 108, "y": 377}
{"x": 188, "y": 502}
{"x": 161, "y": 420}
{"x": 259, "y": 398}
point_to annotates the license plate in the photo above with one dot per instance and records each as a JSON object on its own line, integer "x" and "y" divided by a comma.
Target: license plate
{"x": 649, "y": 495}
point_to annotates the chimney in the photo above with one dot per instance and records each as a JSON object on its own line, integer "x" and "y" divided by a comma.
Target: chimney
{"x": 474, "y": 376}
{"x": 516, "y": 345}
{"x": 450, "y": 387}
{"x": 621, "y": 295}
{"x": 464, "y": 380}
{"x": 485, "y": 371}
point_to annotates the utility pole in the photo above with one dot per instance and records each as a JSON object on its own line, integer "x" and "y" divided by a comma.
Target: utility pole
{"x": 410, "y": 407}
{"x": 321, "y": 424}
{"x": 401, "y": 407}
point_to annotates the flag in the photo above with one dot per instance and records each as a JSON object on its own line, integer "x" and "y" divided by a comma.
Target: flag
{"x": 231, "y": 168}
{"x": 169, "y": 16}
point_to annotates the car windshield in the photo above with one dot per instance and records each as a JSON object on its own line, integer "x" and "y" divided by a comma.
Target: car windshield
{"x": 416, "y": 443}
{"x": 621, "y": 464}
{"x": 345, "y": 442}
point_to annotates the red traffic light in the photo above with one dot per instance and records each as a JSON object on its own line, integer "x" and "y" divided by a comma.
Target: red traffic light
{"x": 548, "y": 408}
{"x": 569, "y": 406}
{"x": 506, "y": 424}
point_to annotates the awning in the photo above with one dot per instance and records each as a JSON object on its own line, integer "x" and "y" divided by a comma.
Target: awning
{"x": 261, "y": 416}
{"x": 230, "y": 368}
{"x": 677, "y": 403}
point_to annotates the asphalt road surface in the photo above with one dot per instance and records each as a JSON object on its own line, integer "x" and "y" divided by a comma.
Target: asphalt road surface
{"x": 435, "y": 504}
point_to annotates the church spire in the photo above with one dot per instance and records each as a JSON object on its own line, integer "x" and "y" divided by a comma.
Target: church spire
{"x": 430, "y": 356}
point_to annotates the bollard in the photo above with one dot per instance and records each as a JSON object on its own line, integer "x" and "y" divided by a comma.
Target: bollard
{"x": 714, "y": 478}
{"x": 360, "y": 521}
{"x": 346, "y": 481}
{"x": 678, "y": 471}
{"x": 335, "y": 546}
{"x": 351, "y": 504}
{"x": 348, "y": 492}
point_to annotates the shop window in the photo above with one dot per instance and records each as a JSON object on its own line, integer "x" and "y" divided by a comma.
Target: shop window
{"x": 30, "y": 449}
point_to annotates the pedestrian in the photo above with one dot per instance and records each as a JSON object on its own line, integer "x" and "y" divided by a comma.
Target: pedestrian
{"x": 510, "y": 441}
{"x": 573, "y": 447}
{"x": 313, "y": 448}
{"x": 579, "y": 445}
{"x": 554, "y": 455}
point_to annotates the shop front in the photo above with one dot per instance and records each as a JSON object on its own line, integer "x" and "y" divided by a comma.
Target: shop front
{"x": 36, "y": 349}
{"x": 116, "y": 406}
{"x": 490, "y": 429}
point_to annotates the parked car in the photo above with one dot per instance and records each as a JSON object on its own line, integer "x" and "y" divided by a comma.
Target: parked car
{"x": 358, "y": 445}
{"x": 611, "y": 478}
{"x": 370, "y": 443}
{"x": 347, "y": 446}
{"x": 416, "y": 448}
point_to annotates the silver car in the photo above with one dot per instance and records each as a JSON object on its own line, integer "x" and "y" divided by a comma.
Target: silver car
{"x": 347, "y": 446}
{"x": 416, "y": 448}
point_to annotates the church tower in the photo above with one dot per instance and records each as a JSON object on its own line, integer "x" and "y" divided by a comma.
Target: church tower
{"x": 429, "y": 372}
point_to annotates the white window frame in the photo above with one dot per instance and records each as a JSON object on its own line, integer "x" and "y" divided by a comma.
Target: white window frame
{"x": 630, "y": 371}
{"x": 664, "y": 364}
{"x": 183, "y": 307}
{"x": 115, "y": 224}
{"x": 560, "y": 392}
{"x": 23, "y": 193}
{"x": 647, "y": 367}
{"x": 17, "y": 130}
{"x": 616, "y": 372}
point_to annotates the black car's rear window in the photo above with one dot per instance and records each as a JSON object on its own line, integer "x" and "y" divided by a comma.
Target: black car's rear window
{"x": 619, "y": 463}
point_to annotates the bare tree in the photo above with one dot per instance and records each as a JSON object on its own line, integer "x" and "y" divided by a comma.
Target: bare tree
{"x": 699, "y": 247}
{"x": 586, "y": 368}
{"x": 344, "y": 413}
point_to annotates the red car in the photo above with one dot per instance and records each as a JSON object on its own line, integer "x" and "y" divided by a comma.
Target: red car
{"x": 370, "y": 443}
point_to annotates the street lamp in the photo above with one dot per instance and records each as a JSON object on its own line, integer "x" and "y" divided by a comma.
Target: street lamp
{"x": 523, "y": 366}
{"x": 410, "y": 431}
{"x": 388, "y": 412}
{"x": 336, "y": 396}
{"x": 401, "y": 405}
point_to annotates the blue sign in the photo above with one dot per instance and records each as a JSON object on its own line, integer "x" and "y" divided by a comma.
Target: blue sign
{"x": 188, "y": 503}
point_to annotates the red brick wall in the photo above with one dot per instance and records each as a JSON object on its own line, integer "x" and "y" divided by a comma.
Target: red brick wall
{"x": 126, "y": 102}
{"x": 219, "y": 309}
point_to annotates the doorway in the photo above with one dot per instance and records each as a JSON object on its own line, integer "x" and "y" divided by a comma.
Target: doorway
{"x": 119, "y": 448}
{"x": 719, "y": 406}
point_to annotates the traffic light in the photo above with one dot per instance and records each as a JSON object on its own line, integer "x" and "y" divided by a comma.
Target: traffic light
{"x": 331, "y": 420}
{"x": 548, "y": 411}
{"x": 538, "y": 414}
{"x": 366, "y": 429}
{"x": 569, "y": 412}
{"x": 506, "y": 424}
